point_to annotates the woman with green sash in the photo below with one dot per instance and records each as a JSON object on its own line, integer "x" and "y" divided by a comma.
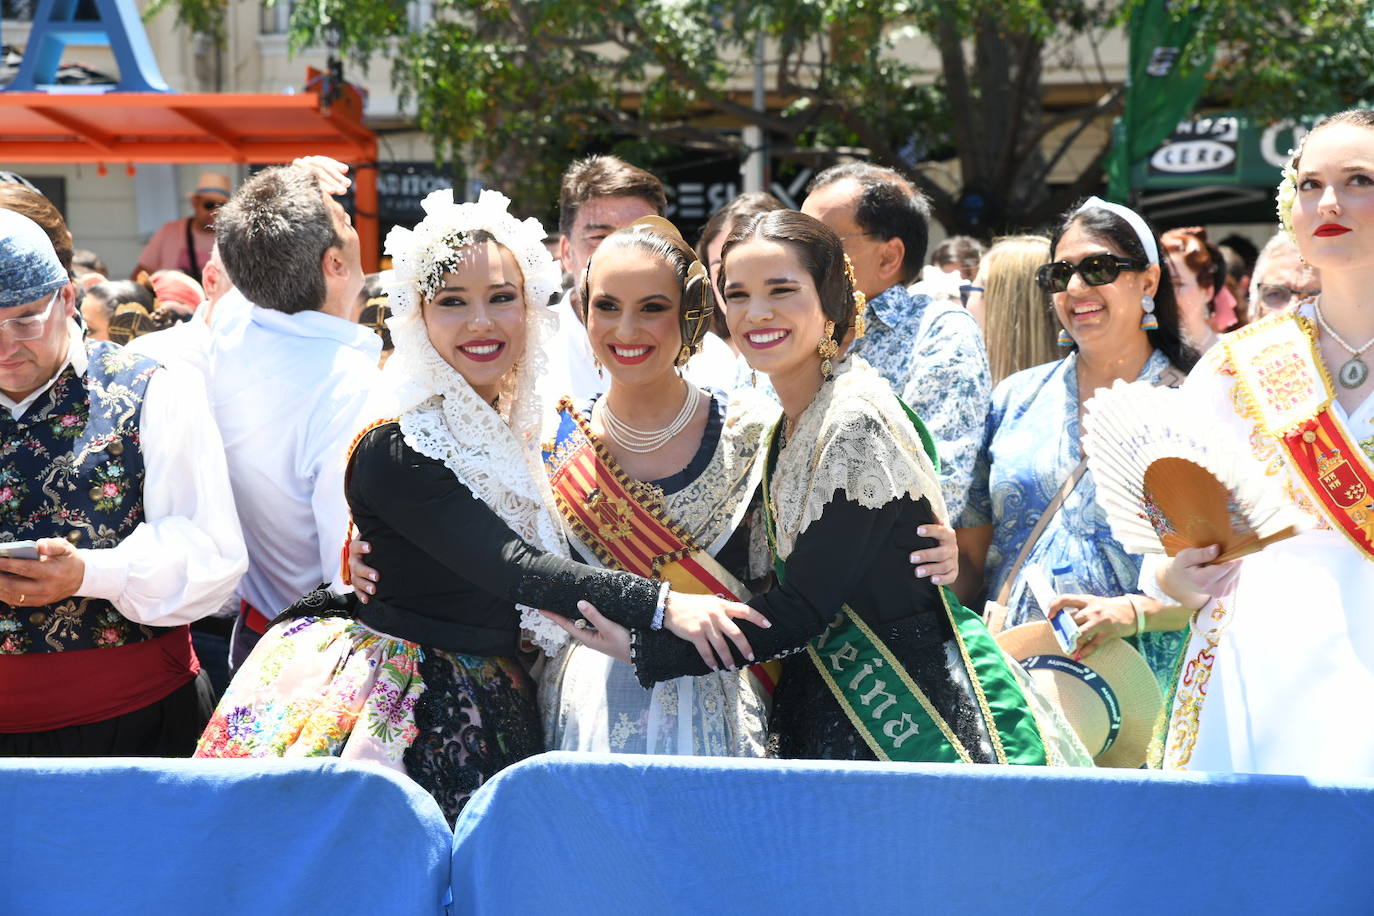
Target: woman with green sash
{"x": 876, "y": 664}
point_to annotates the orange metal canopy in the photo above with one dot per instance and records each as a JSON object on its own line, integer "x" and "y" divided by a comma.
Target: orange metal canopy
{"x": 130, "y": 127}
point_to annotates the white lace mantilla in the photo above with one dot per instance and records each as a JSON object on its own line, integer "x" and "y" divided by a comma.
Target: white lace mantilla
{"x": 494, "y": 452}
{"x": 853, "y": 439}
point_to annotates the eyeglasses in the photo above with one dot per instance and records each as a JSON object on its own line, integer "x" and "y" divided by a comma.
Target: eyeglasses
{"x": 967, "y": 290}
{"x": 28, "y": 327}
{"x": 1277, "y": 296}
{"x": 212, "y": 205}
{"x": 1095, "y": 269}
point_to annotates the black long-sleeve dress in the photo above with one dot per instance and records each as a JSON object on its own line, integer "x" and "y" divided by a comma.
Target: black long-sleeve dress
{"x": 845, "y": 495}
{"x": 860, "y": 557}
{"x": 425, "y": 676}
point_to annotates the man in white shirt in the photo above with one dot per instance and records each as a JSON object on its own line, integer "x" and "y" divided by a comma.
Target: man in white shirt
{"x": 112, "y": 464}
{"x": 289, "y": 385}
{"x": 599, "y": 195}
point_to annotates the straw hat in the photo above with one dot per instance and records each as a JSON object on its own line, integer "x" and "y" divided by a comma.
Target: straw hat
{"x": 1110, "y": 698}
{"x": 212, "y": 184}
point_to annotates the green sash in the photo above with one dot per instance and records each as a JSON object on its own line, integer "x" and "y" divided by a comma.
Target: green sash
{"x": 887, "y": 707}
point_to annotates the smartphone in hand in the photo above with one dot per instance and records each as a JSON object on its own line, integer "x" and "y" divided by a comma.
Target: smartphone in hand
{"x": 19, "y": 550}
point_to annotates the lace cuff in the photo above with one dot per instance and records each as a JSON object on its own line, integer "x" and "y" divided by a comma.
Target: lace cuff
{"x": 662, "y": 607}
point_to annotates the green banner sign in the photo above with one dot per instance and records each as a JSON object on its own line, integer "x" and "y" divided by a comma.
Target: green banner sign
{"x": 1165, "y": 80}
{"x": 1228, "y": 148}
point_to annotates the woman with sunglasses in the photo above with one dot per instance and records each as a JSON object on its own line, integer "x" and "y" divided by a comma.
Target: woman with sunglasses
{"x": 1113, "y": 298}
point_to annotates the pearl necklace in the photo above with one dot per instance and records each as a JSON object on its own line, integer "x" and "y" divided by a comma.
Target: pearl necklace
{"x": 642, "y": 441}
{"x": 1354, "y": 372}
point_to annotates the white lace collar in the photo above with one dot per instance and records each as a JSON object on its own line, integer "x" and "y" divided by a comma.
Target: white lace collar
{"x": 853, "y": 439}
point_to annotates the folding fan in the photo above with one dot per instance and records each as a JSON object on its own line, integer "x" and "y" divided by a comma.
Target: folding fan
{"x": 1167, "y": 481}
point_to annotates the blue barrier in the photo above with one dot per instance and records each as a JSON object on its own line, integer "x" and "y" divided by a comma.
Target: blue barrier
{"x": 565, "y": 833}
{"x": 141, "y": 836}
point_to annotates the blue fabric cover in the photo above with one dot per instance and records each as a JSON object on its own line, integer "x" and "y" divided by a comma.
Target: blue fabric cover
{"x": 117, "y": 836}
{"x": 572, "y": 833}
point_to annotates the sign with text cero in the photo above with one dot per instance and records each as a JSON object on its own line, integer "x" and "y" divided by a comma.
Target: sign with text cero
{"x": 1229, "y": 148}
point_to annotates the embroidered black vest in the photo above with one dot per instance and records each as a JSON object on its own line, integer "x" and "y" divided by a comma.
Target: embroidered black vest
{"x": 72, "y": 467}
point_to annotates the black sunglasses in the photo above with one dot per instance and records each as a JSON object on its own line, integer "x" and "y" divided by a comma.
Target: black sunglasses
{"x": 212, "y": 205}
{"x": 1095, "y": 269}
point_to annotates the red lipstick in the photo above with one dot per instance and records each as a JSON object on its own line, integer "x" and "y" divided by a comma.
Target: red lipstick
{"x": 1326, "y": 230}
{"x": 494, "y": 349}
{"x": 631, "y": 360}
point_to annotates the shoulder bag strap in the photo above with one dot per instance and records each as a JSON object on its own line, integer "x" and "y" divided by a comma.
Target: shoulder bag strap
{"x": 1170, "y": 377}
{"x": 1043, "y": 522}
{"x": 191, "y": 258}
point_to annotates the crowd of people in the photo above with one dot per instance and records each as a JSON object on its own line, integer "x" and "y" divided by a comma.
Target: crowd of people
{"x": 622, "y": 491}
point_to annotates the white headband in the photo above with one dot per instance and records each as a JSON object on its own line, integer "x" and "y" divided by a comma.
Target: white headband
{"x": 1142, "y": 231}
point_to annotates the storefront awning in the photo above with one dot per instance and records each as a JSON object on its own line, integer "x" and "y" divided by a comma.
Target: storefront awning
{"x": 113, "y": 128}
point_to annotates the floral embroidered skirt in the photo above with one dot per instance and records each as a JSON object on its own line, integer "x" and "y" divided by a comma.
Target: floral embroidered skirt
{"x": 329, "y": 686}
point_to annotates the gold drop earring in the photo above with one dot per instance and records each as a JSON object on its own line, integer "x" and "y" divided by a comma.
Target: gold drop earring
{"x": 827, "y": 348}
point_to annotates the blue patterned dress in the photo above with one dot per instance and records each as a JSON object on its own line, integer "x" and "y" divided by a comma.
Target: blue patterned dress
{"x": 1032, "y": 445}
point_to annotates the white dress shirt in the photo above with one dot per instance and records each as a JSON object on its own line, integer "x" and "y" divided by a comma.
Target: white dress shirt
{"x": 572, "y": 365}
{"x": 184, "y": 559}
{"x": 289, "y": 393}
{"x": 188, "y": 342}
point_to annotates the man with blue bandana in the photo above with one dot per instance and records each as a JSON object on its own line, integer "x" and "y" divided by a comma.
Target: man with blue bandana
{"x": 112, "y": 465}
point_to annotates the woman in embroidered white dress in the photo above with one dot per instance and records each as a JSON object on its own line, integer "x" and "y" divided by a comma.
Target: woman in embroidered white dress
{"x": 1279, "y": 669}
{"x": 687, "y": 457}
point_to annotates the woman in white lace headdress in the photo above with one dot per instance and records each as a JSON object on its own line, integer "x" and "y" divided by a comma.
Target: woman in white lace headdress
{"x": 452, "y": 497}
{"x": 876, "y": 664}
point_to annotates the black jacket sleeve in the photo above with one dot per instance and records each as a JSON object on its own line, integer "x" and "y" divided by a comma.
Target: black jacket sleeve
{"x": 828, "y": 559}
{"x": 421, "y": 499}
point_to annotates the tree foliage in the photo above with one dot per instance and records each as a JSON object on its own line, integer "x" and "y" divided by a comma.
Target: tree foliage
{"x": 518, "y": 86}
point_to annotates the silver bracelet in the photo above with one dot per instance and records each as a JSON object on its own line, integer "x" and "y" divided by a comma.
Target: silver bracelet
{"x": 1139, "y": 615}
{"x": 661, "y": 607}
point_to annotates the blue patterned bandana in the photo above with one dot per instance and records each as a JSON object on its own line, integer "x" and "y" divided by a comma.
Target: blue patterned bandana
{"x": 29, "y": 269}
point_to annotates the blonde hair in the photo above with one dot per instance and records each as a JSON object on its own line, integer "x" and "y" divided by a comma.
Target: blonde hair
{"x": 1018, "y": 322}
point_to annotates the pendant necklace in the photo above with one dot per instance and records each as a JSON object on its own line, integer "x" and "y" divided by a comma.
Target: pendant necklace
{"x": 1354, "y": 372}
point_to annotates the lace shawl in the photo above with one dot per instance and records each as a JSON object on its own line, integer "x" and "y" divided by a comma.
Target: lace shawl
{"x": 854, "y": 439}
{"x": 493, "y": 451}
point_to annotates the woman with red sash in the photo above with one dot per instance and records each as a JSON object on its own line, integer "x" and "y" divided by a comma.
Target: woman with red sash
{"x": 876, "y": 665}
{"x": 657, "y": 478}
{"x": 1279, "y": 668}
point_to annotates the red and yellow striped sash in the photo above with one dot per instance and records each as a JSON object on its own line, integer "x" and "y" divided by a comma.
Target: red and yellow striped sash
{"x": 626, "y": 529}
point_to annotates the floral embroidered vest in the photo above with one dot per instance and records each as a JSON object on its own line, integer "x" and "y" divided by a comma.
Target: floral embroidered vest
{"x": 72, "y": 467}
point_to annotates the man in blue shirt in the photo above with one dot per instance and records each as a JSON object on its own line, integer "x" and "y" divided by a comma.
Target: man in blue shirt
{"x": 932, "y": 353}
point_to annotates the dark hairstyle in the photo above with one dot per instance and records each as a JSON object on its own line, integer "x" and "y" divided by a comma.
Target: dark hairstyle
{"x": 740, "y": 210}
{"x": 694, "y": 291}
{"x": 22, "y": 198}
{"x": 605, "y": 176}
{"x": 888, "y": 206}
{"x": 89, "y": 260}
{"x": 114, "y": 293}
{"x": 272, "y": 235}
{"x": 818, "y": 249}
{"x": 964, "y": 250}
{"x": 1359, "y": 117}
{"x": 1105, "y": 226}
{"x": 1242, "y": 247}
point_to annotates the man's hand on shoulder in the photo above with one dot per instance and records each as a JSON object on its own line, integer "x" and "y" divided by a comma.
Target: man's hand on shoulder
{"x": 54, "y": 576}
